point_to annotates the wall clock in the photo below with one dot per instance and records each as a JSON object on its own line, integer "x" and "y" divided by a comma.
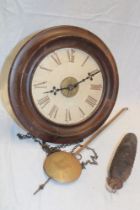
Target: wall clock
{"x": 63, "y": 84}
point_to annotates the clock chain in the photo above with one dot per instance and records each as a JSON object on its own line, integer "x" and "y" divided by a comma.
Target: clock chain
{"x": 92, "y": 159}
{"x": 45, "y": 147}
{"x": 49, "y": 149}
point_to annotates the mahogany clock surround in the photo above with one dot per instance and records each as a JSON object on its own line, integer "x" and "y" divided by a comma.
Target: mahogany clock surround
{"x": 22, "y": 70}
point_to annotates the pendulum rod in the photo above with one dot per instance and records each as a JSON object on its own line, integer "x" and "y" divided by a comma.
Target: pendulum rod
{"x": 99, "y": 131}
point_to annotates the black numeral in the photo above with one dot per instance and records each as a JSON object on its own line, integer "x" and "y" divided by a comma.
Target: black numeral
{"x": 81, "y": 111}
{"x": 68, "y": 115}
{"x": 46, "y": 69}
{"x": 70, "y": 54}
{"x": 40, "y": 85}
{"x": 56, "y": 59}
{"x": 84, "y": 62}
{"x": 53, "y": 111}
{"x": 44, "y": 101}
{"x": 91, "y": 101}
{"x": 95, "y": 87}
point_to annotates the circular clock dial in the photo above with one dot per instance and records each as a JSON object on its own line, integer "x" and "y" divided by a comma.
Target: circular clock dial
{"x": 67, "y": 86}
{"x": 63, "y": 84}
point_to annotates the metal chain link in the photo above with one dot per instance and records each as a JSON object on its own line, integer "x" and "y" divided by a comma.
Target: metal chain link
{"x": 45, "y": 146}
{"x": 49, "y": 149}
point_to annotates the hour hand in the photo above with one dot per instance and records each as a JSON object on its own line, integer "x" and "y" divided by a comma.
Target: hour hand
{"x": 54, "y": 90}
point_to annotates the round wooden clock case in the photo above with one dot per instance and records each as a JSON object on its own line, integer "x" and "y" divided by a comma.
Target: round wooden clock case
{"x": 63, "y": 84}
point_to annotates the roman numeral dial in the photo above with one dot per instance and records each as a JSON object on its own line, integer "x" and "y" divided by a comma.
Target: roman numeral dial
{"x": 67, "y": 86}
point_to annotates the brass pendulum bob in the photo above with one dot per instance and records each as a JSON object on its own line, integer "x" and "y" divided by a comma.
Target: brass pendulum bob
{"x": 63, "y": 167}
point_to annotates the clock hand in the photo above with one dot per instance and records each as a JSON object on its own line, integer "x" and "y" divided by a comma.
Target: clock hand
{"x": 90, "y": 75}
{"x": 55, "y": 90}
{"x": 72, "y": 86}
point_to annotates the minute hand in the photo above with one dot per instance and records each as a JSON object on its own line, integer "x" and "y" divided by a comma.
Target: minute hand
{"x": 90, "y": 76}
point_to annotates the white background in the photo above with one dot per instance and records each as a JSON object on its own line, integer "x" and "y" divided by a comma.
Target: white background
{"x": 117, "y": 23}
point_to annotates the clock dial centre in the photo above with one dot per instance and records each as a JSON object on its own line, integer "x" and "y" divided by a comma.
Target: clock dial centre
{"x": 70, "y": 87}
{"x": 72, "y": 91}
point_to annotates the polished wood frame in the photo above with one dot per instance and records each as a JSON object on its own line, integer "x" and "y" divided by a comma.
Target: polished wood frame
{"x": 22, "y": 70}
